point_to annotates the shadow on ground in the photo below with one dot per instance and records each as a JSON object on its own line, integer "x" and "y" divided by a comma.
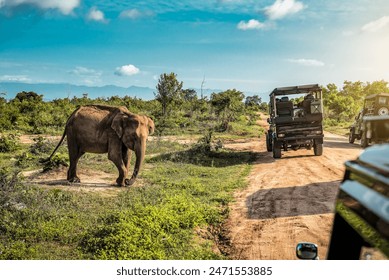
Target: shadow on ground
{"x": 65, "y": 183}
{"x": 341, "y": 145}
{"x": 312, "y": 199}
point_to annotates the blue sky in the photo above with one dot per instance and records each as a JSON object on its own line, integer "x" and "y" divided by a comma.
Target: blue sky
{"x": 253, "y": 46}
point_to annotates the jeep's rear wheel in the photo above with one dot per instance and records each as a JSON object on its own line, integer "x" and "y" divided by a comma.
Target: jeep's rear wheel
{"x": 351, "y": 137}
{"x": 318, "y": 149}
{"x": 269, "y": 142}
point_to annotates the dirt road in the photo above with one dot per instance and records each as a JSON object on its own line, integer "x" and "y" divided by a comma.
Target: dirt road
{"x": 288, "y": 200}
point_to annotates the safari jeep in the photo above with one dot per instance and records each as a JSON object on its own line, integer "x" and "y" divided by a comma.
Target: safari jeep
{"x": 372, "y": 122}
{"x": 361, "y": 224}
{"x": 295, "y": 124}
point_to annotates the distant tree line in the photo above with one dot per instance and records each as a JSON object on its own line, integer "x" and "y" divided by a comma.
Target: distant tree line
{"x": 173, "y": 109}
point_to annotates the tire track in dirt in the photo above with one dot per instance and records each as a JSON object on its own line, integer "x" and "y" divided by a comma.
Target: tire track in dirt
{"x": 288, "y": 200}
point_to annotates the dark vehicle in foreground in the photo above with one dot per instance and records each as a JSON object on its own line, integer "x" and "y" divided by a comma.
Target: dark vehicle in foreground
{"x": 295, "y": 124}
{"x": 371, "y": 125}
{"x": 361, "y": 223}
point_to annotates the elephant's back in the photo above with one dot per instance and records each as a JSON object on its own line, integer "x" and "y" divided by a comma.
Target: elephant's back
{"x": 93, "y": 117}
{"x": 90, "y": 126}
{"x": 91, "y": 111}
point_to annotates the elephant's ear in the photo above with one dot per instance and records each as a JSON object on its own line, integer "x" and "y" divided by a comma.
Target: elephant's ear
{"x": 150, "y": 124}
{"x": 117, "y": 124}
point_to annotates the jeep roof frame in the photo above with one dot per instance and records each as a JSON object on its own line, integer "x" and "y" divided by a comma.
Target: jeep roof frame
{"x": 372, "y": 96}
{"x": 296, "y": 90}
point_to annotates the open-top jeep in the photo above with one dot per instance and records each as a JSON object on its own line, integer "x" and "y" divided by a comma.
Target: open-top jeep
{"x": 372, "y": 122}
{"x": 295, "y": 125}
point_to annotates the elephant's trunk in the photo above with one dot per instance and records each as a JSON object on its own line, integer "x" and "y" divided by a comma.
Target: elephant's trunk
{"x": 140, "y": 150}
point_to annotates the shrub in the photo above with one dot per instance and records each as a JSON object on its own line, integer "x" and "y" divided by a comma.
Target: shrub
{"x": 40, "y": 146}
{"x": 24, "y": 160}
{"x": 9, "y": 143}
{"x": 160, "y": 231}
{"x": 56, "y": 161}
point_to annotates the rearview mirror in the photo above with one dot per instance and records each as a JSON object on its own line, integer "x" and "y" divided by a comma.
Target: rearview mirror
{"x": 306, "y": 251}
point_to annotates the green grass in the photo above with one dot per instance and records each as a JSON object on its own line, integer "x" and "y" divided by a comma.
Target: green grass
{"x": 180, "y": 190}
{"x": 342, "y": 128}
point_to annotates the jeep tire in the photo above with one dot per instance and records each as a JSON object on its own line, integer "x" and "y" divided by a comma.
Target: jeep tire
{"x": 276, "y": 150}
{"x": 352, "y": 136}
{"x": 269, "y": 141}
{"x": 364, "y": 140}
{"x": 318, "y": 149}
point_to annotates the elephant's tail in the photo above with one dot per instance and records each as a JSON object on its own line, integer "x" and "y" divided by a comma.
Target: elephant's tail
{"x": 63, "y": 135}
{"x": 59, "y": 144}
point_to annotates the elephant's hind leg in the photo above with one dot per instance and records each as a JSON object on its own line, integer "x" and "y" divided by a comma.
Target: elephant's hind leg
{"x": 74, "y": 156}
{"x": 72, "y": 172}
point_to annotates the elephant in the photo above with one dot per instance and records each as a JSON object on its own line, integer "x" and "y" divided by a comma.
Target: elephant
{"x": 107, "y": 129}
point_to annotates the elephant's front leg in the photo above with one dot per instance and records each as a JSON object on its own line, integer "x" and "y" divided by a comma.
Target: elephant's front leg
{"x": 126, "y": 155}
{"x": 116, "y": 158}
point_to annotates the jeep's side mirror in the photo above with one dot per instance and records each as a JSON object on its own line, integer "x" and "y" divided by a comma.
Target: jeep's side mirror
{"x": 306, "y": 251}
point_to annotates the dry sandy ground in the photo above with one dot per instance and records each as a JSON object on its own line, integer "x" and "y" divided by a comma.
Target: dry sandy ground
{"x": 289, "y": 200}
{"x": 92, "y": 181}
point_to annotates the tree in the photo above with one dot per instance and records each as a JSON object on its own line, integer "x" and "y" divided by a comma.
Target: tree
{"x": 30, "y": 96}
{"x": 253, "y": 101}
{"x": 169, "y": 90}
{"x": 355, "y": 90}
{"x": 227, "y": 105}
{"x": 376, "y": 87}
{"x": 252, "y": 106}
{"x": 189, "y": 95}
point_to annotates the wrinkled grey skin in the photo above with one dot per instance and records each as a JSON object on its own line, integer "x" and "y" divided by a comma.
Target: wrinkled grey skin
{"x": 107, "y": 129}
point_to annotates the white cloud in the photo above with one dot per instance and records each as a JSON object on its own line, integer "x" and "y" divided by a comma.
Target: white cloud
{"x": 66, "y": 7}
{"x": 251, "y": 24}
{"x": 307, "y": 62}
{"x": 282, "y": 8}
{"x": 127, "y": 70}
{"x": 83, "y": 71}
{"x": 376, "y": 25}
{"x": 132, "y": 14}
{"x": 135, "y": 14}
{"x": 87, "y": 75}
{"x": 230, "y": 1}
{"x": 15, "y": 78}
{"x": 96, "y": 15}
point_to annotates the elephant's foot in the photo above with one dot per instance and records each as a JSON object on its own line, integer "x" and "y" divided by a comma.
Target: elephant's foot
{"x": 125, "y": 182}
{"x": 129, "y": 182}
{"x": 120, "y": 182}
{"x": 74, "y": 180}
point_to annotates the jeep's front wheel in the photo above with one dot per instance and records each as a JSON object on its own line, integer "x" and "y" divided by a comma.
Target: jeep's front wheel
{"x": 364, "y": 140}
{"x": 351, "y": 137}
{"x": 318, "y": 149}
{"x": 276, "y": 151}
